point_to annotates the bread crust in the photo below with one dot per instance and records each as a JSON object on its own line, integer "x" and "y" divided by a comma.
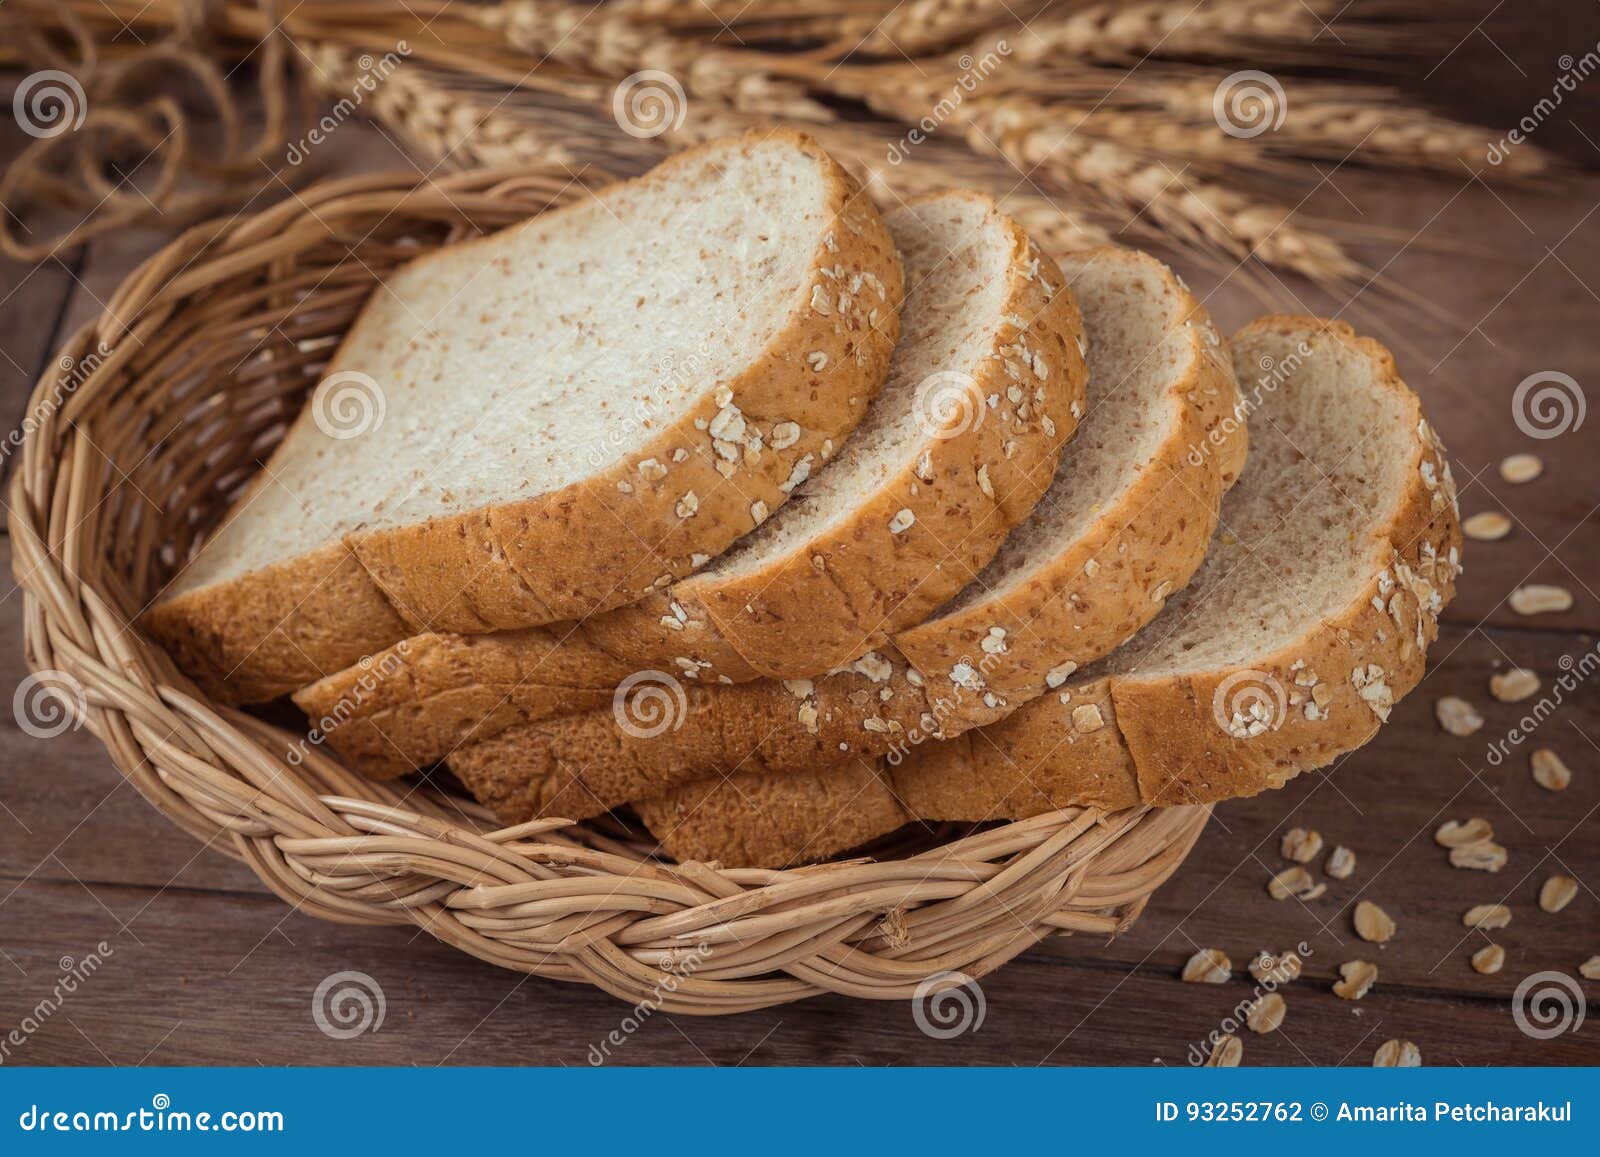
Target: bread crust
{"x": 1155, "y": 534}
{"x": 775, "y": 821}
{"x": 1161, "y": 742}
{"x": 600, "y": 542}
{"x": 815, "y": 606}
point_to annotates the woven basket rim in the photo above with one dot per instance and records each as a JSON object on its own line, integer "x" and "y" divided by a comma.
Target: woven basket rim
{"x": 569, "y": 901}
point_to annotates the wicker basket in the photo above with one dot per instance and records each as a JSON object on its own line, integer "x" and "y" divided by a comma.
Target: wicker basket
{"x": 156, "y": 412}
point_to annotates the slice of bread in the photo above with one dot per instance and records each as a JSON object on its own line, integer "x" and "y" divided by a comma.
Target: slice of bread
{"x": 1311, "y": 616}
{"x": 558, "y": 418}
{"x": 985, "y": 386}
{"x": 1308, "y": 620}
{"x": 1124, "y": 524}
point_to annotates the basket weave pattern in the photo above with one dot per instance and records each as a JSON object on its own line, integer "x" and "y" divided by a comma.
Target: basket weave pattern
{"x": 177, "y": 391}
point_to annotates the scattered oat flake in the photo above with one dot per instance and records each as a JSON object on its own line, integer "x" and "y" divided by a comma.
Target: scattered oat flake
{"x": 1356, "y": 978}
{"x": 1267, "y": 1014}
{"x": 1489, "y": 959}
{"x": 1557, "y": 892}
{"x": 1540, "y": 599}
{"x": 1295, "y": 881}
{"x": 1373, "y": 924}
{"x": 1208, "y": 966}
{"x": 1302, "y": 845}
{"x": 1514, "y": 685}
{"x": 1226, "y": 1053}
{"x": 1397, "y": 1054}
{"x": 1457, "y": 716}
{"x": 1483, "y": 856}
{"x": 1487, "y": 526}
{"x": 1487, "y": 916}
{"x": 1590, "y": 968}
{"x": 1521, "y": 468}
{"x": 1455, "y": 833}
{"x": 1341, "y": 863}
{"x": 1550, "y": 771}
{"x": 902, "y": 521}
{"x": 1279, "y": 969}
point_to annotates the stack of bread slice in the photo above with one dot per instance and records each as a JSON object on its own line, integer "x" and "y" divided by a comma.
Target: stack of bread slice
{"x": 876, "y": 519}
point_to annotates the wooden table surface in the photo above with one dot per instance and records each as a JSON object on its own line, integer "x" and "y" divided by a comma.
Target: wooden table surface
{"x": 200, "y": 964}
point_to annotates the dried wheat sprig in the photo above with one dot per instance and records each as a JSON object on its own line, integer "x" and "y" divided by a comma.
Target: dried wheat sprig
{"x": 1195, "y": 209}
{"x": 1322, "y": 121}
{"x": 919, "y": 27}
{"x": 442, "y": 123}
{"x": 1115, "y": 32}
{"x": 602, "y": 42}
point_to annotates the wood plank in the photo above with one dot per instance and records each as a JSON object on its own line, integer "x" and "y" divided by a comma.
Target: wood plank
{"x": 242, "y": 994}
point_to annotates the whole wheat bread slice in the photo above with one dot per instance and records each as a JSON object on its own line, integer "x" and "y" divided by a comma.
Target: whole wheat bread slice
{"x": 1309, "y": 619}
{"x": 1311, "y": 616}
{"x": 560, "y": 418}
{"x": 1124, "y": 524}
{"x": 984, "y": 388}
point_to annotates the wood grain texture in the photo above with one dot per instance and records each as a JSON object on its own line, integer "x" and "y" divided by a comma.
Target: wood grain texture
{"x": 208, "y": 967}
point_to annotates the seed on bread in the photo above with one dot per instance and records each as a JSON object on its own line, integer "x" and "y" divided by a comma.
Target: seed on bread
{"x": 1356, "y": 978}
{"x": 1557, "y": 892}
{"x": 1487, "y": 526}
{"x": 1397, "y": 1054}
{"x": 1550, "y": 771}
{"x": 1373, "y": 924}
{"x": 1590, "y": 968}
{"x": 1489, "y": 959}
{"x": 902, "y": 521}
{"x": 1487, "y": 916}
{"x": 1457, "y": 716}
{"x": 1455, "y": 833}
{"x": 1208, "y": 966}
{"x": 1302, "y": 845}
{"x": 1514, "y": 685}
{"x": 1086, "y": 719}
{"x": 1341, "y": 863}
{"x": 1540, "y": 599}
{"x": 1520, "y": 468}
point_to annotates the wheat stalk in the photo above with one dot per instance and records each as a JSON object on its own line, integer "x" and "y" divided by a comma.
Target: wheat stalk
{"x": 1113, "y": 32}
{"x": 601, "y": 41}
